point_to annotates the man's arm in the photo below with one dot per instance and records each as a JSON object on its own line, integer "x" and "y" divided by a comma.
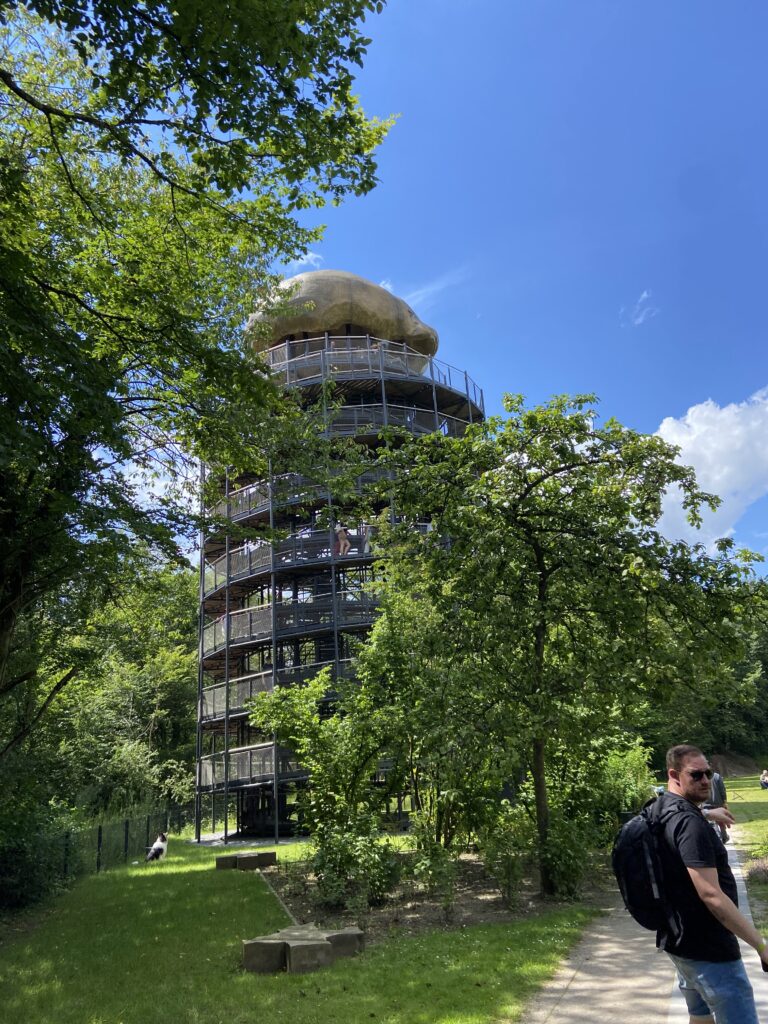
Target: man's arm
{"x": 721, "y": 815}
{"x": 725, "y": 910}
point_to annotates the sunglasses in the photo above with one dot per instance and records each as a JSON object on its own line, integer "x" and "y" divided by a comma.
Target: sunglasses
{"x": 697, "y": 774}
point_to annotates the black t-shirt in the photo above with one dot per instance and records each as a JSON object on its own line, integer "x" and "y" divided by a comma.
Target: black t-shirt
{"x": 688, "y": 841}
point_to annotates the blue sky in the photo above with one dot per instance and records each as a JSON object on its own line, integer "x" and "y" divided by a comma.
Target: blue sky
{"x": 575, "y": 196}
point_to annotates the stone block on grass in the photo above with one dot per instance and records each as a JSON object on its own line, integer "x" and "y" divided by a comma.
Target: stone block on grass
{"x": 305, "y": 955}
{"x": 301, "y": 931}
{"x": 346, "y": 941}
{"x": 227, "y": 861}
{"x": 264, "y": 955}
{"x": 248, "y": 861}
{"x": 300, "y": 948}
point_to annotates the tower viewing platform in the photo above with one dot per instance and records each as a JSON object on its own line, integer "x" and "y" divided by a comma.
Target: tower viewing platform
{"x": 274, "y": 614}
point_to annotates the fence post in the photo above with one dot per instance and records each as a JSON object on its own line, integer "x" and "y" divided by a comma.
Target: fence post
{"x": 98, "y": 851}
{"x": 125, "y": 841}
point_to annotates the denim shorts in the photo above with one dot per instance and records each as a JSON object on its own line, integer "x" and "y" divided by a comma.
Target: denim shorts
{"x": 718, "y": 989}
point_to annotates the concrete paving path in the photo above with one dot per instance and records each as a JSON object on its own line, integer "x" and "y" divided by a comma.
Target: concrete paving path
{"x": 615, "y": 975}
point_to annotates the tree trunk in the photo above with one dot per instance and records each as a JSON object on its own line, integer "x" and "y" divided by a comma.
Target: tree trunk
{"x": 542, "y": 812}
{"x": 11, "y": 599}
{"x": 539, "y": 743}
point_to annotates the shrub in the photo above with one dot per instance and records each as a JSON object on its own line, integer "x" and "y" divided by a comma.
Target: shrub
{"x": 623, "y": 783}
{"x": 505, "y": 847}
{"x": 757, "y": 870}
{"x": 352, "y": 863}
{"x": 564, "y": 854}
{"x": 626, "y": 781}
{"x": 598, "y": 787}
{"x": 434, "y": 865}
{"x": 36, "y": 859}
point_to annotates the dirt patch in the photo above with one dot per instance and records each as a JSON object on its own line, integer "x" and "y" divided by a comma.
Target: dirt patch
{"x": 734, "y": 765}
{"x": 411, "y": 909}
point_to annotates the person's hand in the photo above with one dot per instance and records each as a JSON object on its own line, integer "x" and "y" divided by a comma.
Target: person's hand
{"x": 721, "y": 816}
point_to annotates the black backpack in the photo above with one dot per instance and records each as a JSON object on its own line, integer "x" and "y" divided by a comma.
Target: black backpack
{"x": 639, "y": 871}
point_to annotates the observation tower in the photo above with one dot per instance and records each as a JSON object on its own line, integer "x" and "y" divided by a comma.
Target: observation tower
{"x": 274, "y": 614}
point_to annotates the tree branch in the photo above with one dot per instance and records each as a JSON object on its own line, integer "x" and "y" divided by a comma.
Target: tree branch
{"x": 123, "y": 142}
{"x": 32, "y": 722}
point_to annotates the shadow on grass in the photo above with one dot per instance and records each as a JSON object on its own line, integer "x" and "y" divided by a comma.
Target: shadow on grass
{"x": 136, "y": 943}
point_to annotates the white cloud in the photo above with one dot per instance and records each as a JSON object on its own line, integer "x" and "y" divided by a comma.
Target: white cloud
{"x": 386, "y": 283}
{"x": 311, "y": 259}
{"x": 425, "y": 297}
{"x": 641, "y": 315}
{"x": 642, "y": 311}
{"x": 727, "y": 448}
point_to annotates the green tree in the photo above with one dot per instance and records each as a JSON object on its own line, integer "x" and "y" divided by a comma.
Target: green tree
{"x": 445, "y": 741}
{"x": 341, "y": 751}
{"x": 719, "y": 719}
{"x": 546, "y": 570}
{"x": 122, "y": 733}
{"x": 254, "y": 96}
{"x": 130, "y": 258}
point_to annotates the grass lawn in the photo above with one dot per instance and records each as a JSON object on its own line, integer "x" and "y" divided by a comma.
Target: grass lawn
{"x": 749, "y": 804}
{"x": 153, "y": 942}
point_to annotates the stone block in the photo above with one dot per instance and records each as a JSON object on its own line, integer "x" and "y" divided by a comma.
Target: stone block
{"x": 267, "y": 859}
{"x": 300, "y": 948}
{"x": 305, "y": 955}
{"x": 264, "y": 955}
{"x": 346, "y": 941}
{"x": 226, "y": 861}
{"x": 301, "y": 931}
{"x": 248, "y": 861}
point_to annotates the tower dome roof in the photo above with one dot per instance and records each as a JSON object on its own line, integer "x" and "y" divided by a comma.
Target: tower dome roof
{"x": 328, "y": 300}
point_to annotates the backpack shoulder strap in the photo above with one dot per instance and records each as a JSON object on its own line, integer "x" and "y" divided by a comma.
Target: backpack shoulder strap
{"x": 659, "y": 813}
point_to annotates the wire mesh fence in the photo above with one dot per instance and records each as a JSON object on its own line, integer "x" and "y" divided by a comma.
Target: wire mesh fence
{"x": 114, "y": 843}
{"x": 39, "y": 862}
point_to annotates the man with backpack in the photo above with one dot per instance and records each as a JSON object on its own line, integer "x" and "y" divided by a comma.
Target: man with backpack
{"x": 699, "y": 892}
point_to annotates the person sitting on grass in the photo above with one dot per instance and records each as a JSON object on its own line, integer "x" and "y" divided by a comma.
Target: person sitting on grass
{"x": 764, "y": 779}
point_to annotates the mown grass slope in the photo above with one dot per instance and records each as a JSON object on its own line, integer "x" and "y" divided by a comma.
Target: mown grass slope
{"x": 162, "y": 941}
